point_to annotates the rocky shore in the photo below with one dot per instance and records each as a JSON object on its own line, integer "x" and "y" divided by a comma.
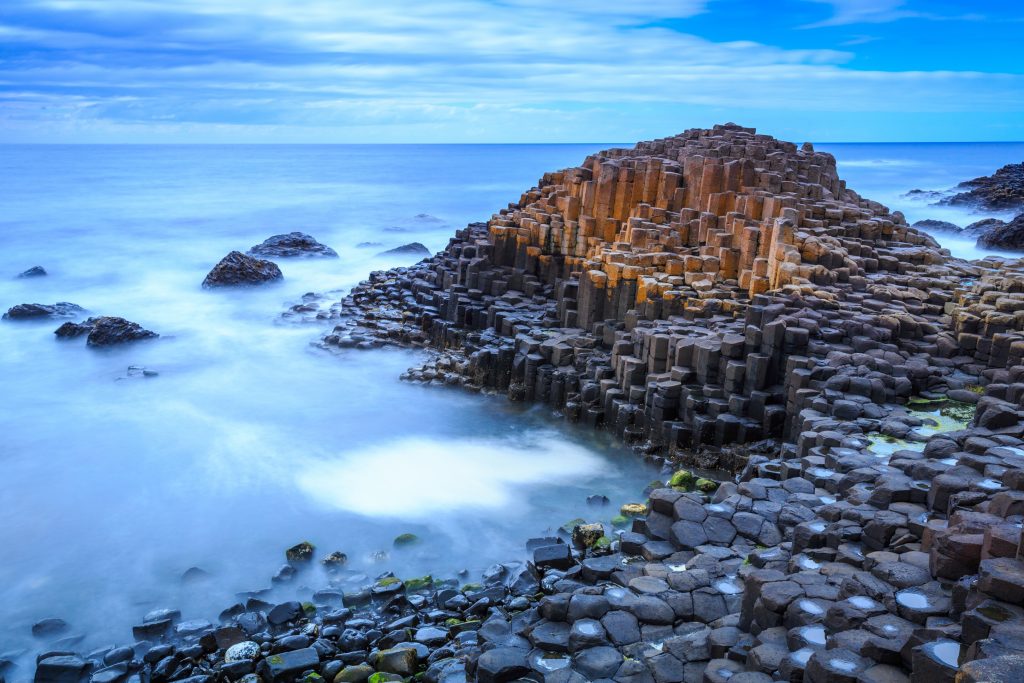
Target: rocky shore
{"x": 718, "y": 299}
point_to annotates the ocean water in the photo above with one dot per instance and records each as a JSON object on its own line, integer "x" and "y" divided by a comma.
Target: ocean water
{"x": 250, "y": 438}
{"x": 887, "y": 172}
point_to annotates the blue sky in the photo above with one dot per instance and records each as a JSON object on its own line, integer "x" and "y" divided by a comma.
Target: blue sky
{"x": 507, "y": 70}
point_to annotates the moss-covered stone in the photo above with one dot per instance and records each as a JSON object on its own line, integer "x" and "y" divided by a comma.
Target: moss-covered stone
{"x": 309, "y": 609}
{"x": 388, "y": 581}
{"x": 633, "y": 510}
{"x": 706, "y": 485}
{"x": 358, "y": 673}
{"x": 384, "y": 677}
{"x": 406, "y": 540}
{"x": 603, "y": 543}
{"x": 472, "y": 588}
{"x": 419, "y": 583}
{"x": 621, "y": 521}
{"x": 683, "y": 479}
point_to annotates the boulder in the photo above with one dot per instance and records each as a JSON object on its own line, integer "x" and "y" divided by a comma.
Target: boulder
{"x": 105, "y": 331}
{"x": 292, "y": 245}
{"x": 34, "y": 271}
{"x": 61, "y": 309}
{"x": 238, "y": 269}
{"x": 1008, "y": 236}
{"x": 411, "y": 249}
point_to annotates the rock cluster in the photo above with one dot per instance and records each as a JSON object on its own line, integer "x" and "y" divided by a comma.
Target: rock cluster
{"x": 105, "y": 330}
{"x": 292, "y": 245}
{"x": 1001, "y": 191}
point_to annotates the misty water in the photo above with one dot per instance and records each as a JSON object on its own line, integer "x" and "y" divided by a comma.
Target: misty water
{"x": 250, "y": 438}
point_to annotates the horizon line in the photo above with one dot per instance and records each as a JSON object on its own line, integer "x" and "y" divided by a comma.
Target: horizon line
{"x": 469, "y": 144}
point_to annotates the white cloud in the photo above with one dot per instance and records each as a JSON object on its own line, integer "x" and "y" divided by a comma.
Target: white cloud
{"x": 455, "y": 65}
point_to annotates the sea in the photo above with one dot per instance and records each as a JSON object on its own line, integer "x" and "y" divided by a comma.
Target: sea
{"x": 123, "y": 492}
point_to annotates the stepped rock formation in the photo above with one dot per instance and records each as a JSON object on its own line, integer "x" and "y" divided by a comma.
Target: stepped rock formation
{"x": 715, "y": 287}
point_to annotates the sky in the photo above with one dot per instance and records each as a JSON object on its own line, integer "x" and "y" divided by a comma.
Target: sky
{"x": 378, "y": 71}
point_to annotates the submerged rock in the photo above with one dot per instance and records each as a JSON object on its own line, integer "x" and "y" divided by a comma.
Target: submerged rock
{"x": 61, "y": 309}
{"x": 1009, "y": 236}
{"x": 238, "y": 269}
{"x": 411, "y": 249}
{"x": 34, "y": 271}
{"x": 292, "y": 245}
{"x": 932, "y": 225}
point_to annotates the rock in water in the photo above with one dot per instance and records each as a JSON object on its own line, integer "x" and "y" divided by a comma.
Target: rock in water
{"x": 292, "y": 245}
{"x": 34, "y": 271}
{"x": 1000, "y": 191}
{"x": 238, "y": 269}
{"x": 105, "y": 331}
{"x": 411, "y": 249}
{"x": 61, "y": 309}
{"x": 1008, "y": 236}
{"x": 932, "y": 225}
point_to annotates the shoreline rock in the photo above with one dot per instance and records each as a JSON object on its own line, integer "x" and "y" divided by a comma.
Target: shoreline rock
{"x": 240, "y": 270}
{"x": 1001, "y": 191}
{"x": 1008, "y": 236}
{"x": 61, "y": 309}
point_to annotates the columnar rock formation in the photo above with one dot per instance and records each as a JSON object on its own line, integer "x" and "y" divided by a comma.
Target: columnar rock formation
{"x": 711, "y": 288}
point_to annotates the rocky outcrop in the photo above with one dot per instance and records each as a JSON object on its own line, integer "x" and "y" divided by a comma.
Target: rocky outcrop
{"x": 238, "y": 269}
{"x": 1005, "y": 236}
{"x": 1001, "y": 191}
{"x": 61, "y": 309}
{"x": 713, "y": 288}
{"x": 411, "y": 249}
{"x": 34, "y": 271}
{"x": 292, "y": 245}
{"x": 105, "y": 331}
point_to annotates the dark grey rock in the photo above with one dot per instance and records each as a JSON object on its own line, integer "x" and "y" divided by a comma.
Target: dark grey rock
{"x": 34, "y": 271}
{"x": 61, "y": 309}
{"x": 238, "y": 269}
{"x": 292, "y": 245}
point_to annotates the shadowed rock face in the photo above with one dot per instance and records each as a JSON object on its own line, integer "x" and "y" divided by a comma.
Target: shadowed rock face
{"x": 1000, "y": 191}
{"x": 292, "y": 245}
{"x": 1008, "y": 236}
{"x": 238, "y": 269}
